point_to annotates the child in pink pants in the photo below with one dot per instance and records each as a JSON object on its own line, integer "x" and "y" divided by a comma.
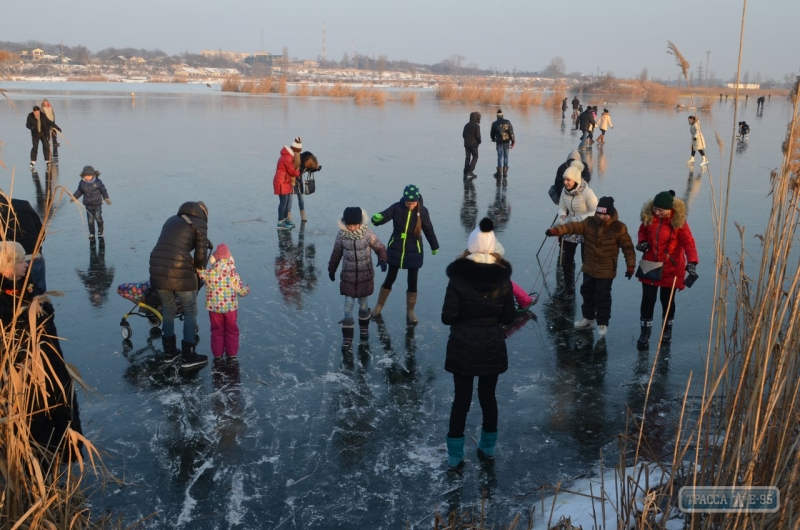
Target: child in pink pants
{"x": 223, "y": 287}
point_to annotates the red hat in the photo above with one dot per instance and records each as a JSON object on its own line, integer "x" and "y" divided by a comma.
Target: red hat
{"x": 222, "y": 252}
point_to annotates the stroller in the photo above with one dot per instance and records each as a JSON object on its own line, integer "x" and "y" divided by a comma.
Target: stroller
{"x": 147, "y": 305}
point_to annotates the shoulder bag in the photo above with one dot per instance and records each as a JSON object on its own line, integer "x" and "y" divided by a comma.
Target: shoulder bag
{"x": 310, "y": 184}
{"x": 650, "y": 270}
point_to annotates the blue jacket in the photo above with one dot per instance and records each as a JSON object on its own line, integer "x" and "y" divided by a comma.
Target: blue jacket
{"x": 405, "y": 249}
{"x": 93, "y": 192}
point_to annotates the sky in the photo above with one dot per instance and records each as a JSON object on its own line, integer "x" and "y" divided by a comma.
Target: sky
{"x": 617, "y": 36}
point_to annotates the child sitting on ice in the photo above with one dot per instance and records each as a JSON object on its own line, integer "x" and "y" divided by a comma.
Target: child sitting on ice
{"x": 353, "y": 247}
{"x": 223, "y": 286}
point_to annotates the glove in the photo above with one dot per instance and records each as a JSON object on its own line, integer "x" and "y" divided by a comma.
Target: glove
{"x": 691, "y": 268}
{"x": 512, "y": 145}
{"x": 382, "y": 264}
{"x": 293, "y": 182}
{"x": 434, "y": 251}
{"x": 72, "y": 199}
{"x": 629, "y": 273}
{"x": 644, "y": 246}
{"x": 108, "y": 202}
{"x": 332, "y": 275}
{"x": 551, "y": 232}
{"x": 377, "y": 218}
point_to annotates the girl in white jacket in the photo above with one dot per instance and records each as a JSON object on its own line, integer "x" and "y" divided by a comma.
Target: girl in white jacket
{"x": 577, "y": 203}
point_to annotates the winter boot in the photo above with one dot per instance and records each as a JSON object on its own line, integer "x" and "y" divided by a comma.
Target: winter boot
{"x": 411, "y": 303}
{"x": 705, "y": 161}
{"x": 690, "y": 161}
{"x": 382, "y": 296}
{"x": 499, "y": 173}
{"x": 568, "y": 291}
{"x": 644, "y": 337}
{"x": 505, "y": 171}
{"x": 455, "y": 452}
{"x": 585, "y": 323}
{"x": 363, "y": 323}
{"x": 303, "y": 217}
{"x": 666, "y": 338}
{"x": 171, "y": 353}
{"x": 472, "y": 175}
{"x": 347, "y": 334}
{"x": 486, "y": 445}
{"x": 190, "y": 359}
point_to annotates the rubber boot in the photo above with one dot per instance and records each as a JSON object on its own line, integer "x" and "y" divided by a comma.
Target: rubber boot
{"x": 505, "y": 171}
{"x": 667, "y": 337}
{"x": 363, "y": 323}
{"x": 171, "y": 353}
{"x": 646, "y": 327}
{"x": 382, "y": 296}
{"x": 303, "y": 218}
{"x": 455, "y": 452}
{"x": 190, "y": 359}
{"x": 568, "y": 291}
{"x": 486, "y": 445}
{"x": 411, "y": 303}
{"x": 347, "y": 334}
{"x": 498, "y": 173}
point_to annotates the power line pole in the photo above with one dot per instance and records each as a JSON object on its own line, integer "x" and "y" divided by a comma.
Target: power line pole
{"x": 323, "y": 41}
{"x": 708, "y": 55}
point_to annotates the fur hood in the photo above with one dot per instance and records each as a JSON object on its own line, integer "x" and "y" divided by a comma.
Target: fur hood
{"x": 470, "y": 271}
{"x": 678, "y": 213}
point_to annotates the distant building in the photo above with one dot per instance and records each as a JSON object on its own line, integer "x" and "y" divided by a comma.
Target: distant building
{"x": 37, "y": 54}
{"x": 261, "y": 63}
{"x": 137, "y": 60}
{"x": 748, "y": 86}
{"x": 231, "y": 56}
{"x": 310, "y": 64}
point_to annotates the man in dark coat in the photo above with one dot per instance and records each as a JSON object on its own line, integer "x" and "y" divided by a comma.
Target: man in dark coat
{"x": 502, "y": 134}
{"x": 40, "y": 127}
{"x": 22, "y": 224}
{"x": 472, "y": 139}
{"x": 587, "y": 123}
{"x": 173, "y": 273}
{"x": 575, "y": 104}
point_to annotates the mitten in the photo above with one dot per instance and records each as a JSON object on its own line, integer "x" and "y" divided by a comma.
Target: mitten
{"x": 434, "y": 251}
{"x": 550, "y": 232}
{"x": 629, "y": 273}
{"x": 332, "y": 275}
{"x": 691, "y": 268}
{"x": 108, "y": 202}
{"x": 644, "y": 246}
{"x": 377, "y": 218}
{"x": 382, "y": 264}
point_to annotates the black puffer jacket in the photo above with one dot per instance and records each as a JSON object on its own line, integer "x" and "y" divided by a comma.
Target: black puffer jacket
{"x": 405, "y": 249}
{"x": 586, "y": 175}
{"x": 478, "y": 302}
{"x": 24, "y": 224}
{"x": 31, "y": 124}
{"x": 47, "y": 427}
{"x": 472, "y": 130}
{"x": 172, "y": 266}
{"x": 93, "y": 192}
{"x": 586, "y": 120}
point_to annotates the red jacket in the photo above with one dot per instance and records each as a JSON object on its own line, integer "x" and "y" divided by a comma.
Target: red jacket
{"x": 671, "y": 242}
{"x": 282, "y": 181}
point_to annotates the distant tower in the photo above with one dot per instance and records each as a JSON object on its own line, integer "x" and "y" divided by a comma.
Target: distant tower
{"x": 323, "y": 40}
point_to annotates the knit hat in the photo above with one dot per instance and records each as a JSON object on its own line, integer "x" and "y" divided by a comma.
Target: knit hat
{"x": 482, "y": 240}
{"x": 89, "y": 170}
{"x": 11, "y": 253}
{"x": 574, "y": 155}
{"x": 352, "y": 215}
{"x": 499, "y": 113}
{"x": 573, "y": 172}
{"x": 664, "y": 200}
{"x": 606, "y": 205}
{"x": 298, "y": 143}
{"x": 222, "y": 252}
{"x": 411, "y": 193}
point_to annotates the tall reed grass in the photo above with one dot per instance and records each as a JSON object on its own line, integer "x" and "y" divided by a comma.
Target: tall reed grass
{"x": 369, "y": 94}
{"x": 557, "y": 96}
{"x": 658, "y": 94}
{"x": 92, "y": 78}
{"x": 409, "y": 98}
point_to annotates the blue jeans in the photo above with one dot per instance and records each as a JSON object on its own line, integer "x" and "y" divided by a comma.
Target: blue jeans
{"x": 502, "y": 155}
{"x": 296, "y": 191}
{"x": 169, "y": 309}
{"x": 349, "y": 302}
{"x": 284, "y": 206}
{"x": 37, "y": 273}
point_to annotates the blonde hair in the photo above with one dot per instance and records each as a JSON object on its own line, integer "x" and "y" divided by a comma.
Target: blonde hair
{"x": 11, "y": 253}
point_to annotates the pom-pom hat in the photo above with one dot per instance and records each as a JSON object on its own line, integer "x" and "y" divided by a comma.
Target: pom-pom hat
{"x": 664, "y": 200}
{"x": 482, "y": 240}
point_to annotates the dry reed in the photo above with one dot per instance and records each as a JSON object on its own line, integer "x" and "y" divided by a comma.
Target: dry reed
{"x": 658, "y": 94}
{"x": 90, "y": 78}
{"x": 447, "y": 91}
{"x": 706, "y": 102}
{"x": 369, "y": 94}
{"x": 302, "y": 90}
{"x": 409, "y": 98}
{"x": 232, "y": 83}
{"x": 557, "y": 96}
{"x": 683, "y": 64}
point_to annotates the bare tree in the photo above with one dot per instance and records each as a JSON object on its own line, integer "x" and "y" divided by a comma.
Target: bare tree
{"x": 345, "y": 60}
{"x": 556, "y": 68}
{"x": 381, "y": 64}
{"x": 643, "y": 75}
{"x": 455, "y": 61}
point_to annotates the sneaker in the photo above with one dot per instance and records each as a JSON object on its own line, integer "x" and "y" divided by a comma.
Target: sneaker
{"x": 690, "y": 161}
{"x": 584, "y": 323}
{"x": 472, "y": 175}
{"x": 282, "y": 225}
{"x": 602, "y": 330}
{"x": 32, "y": 164}
{"x": 288, "y": 223}
{"x": 705, "y": 162}
{"x": 91, "y": 237}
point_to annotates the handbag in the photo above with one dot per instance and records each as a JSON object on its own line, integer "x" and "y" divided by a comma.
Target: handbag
{"x": 554, "y": 194}
{"x": 650, "y": 270}
{"x": 310, "y": 184}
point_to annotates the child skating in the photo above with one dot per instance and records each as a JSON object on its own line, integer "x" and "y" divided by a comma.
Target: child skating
{"x": 93, "y": 191}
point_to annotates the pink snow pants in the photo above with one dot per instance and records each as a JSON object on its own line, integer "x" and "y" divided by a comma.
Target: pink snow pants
{"x": 522, "y": 298}
{"x": 224, "y": 334}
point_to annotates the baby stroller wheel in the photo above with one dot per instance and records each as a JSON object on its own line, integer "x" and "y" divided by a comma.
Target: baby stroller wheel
{"x": 126, "y": 331}
{"x": 154, "y": 321}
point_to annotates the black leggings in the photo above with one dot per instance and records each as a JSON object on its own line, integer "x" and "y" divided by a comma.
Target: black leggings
{"x": 463, "y": 399}
{"x": 649, "y": 295}
{"x": 391, "y": 276}
{"x": 701, "y": 151}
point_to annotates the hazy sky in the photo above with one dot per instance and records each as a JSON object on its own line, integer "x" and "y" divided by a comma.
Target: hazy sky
{"x": 620, "y": 36}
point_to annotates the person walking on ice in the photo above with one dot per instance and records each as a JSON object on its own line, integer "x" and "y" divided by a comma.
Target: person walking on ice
{"x": 93, "y": 191}
{"x": 604, "y": 125}
{"x": 698, "y": 141}
{"x": 502, "y": 134}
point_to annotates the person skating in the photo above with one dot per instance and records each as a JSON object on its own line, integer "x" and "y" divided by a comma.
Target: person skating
{"x": 224, "y": 286}
{"x": 472, "y": 139}
{"x": 604, "y": 235}
{"x": 604, "y": 124}
{"x": 51, "y": 115}
{"x": 353, "y": 248}
{"x": 478, "y": 302}
{"x": 564, "y": 108}
{"x": 558, "y": 183}
{"x": 575, "y": 108}
{"x": 93, "y": 191}
{"x": 173, "y": 273}
{"x": 577, "y": 203}
{"x": 284, "y": 180}
{"x": 410, "y": 219}
{"x": 502, "y": 134}
{"x": 698, "y": 141}
{"x": 664, "y": 237}
{"x": 586, "y": 121}
{"x": 744, "y": 130}
{"x": 40, "y": 127}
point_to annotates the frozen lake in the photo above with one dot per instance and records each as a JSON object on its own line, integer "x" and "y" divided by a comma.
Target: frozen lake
{"x": 300, "y": 437}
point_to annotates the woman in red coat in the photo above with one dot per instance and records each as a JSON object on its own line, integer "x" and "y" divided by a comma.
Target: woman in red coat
{"x": 664, "y": 236}
{"x": 288, "y": 169}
